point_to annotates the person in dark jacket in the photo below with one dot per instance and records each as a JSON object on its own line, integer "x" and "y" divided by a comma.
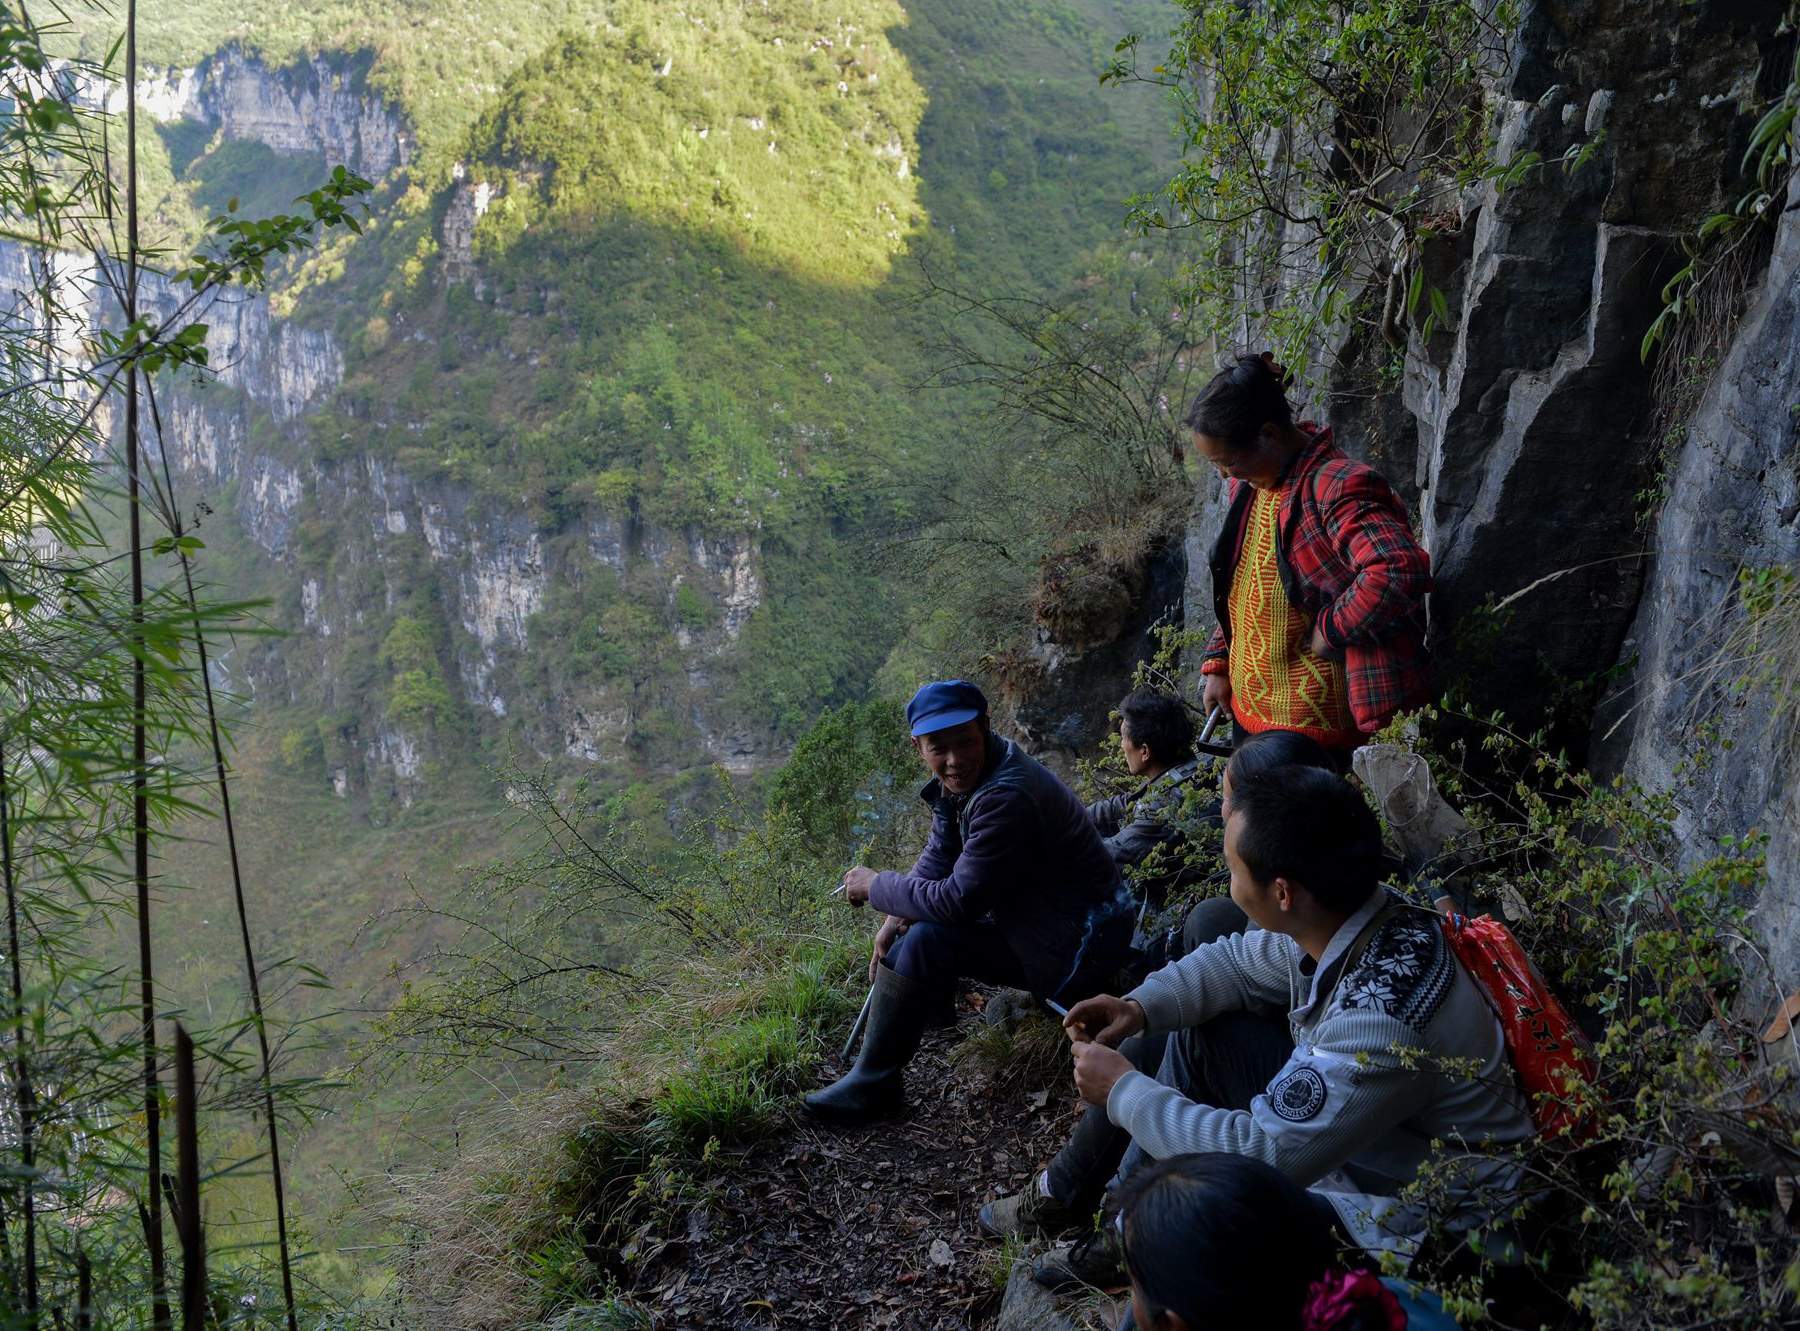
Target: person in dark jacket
{"x": 1140, "y": 828}
{"x": 1013, "y": 887}
{"x": 1318, "y": 583}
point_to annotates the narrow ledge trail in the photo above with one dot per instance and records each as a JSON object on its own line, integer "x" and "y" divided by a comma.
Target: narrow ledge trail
{"x": 873, "y": 1227}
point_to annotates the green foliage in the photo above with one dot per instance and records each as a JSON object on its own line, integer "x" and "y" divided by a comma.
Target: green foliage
{"x": 302, "y": 750}
{"x": 775, "y": 128}
{"x": 1327, "y": 139}
{"x": 692, "y": 610}
{"x": 417, "y": 694}
{"x": 1667, "y": 1217}
{"x": 409, "y": 646}
{"x": 845, "y": 772}
{"x": 1709, "y": 284}
{"x": 419, "y": 698}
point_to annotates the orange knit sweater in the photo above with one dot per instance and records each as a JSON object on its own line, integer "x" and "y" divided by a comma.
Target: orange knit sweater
{"x": 1276, "y": 681}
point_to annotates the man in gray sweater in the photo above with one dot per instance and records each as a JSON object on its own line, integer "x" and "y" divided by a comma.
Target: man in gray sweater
{"x": 1340, "y": 1042}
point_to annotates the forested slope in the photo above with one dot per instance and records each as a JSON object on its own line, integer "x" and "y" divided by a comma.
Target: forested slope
{"x": 579, "y": 451}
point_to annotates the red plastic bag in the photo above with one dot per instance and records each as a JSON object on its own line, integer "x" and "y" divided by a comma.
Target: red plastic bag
{"x": 1553, "y": 1058}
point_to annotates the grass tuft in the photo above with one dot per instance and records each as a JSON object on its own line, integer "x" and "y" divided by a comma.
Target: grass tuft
{"x": 1030, "y": 1053}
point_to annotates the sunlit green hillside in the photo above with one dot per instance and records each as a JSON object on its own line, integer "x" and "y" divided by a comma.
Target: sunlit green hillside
{"x": 690, "y": 305}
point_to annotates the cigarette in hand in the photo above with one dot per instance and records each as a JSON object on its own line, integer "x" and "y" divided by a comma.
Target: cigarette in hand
{"x": 1057, "y": 1008}
{"x": 838, "y": 891}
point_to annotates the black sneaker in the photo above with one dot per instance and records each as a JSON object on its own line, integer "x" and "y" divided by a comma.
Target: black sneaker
{"x": 1094, "y": 1262}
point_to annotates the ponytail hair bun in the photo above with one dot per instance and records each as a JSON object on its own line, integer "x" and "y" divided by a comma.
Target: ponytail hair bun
{"x": 1352, "y": 1301}
{"x": 1240, "y": 399}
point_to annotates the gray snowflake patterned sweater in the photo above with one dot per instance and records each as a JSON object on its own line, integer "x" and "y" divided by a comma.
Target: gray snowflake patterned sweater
{"x": 1368, "y": 1089}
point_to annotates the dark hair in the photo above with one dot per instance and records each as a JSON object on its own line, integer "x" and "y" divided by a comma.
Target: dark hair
{"x": 1277, "y": 748}
{"x": 1239, "y": 401}
{"x": 1224, "y": 1240}
{"x": 1311, "y": 828}
{"x": 1161, "y": 721}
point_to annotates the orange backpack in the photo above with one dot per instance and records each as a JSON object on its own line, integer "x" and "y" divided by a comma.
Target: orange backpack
{"x": 1552, "y": 1056}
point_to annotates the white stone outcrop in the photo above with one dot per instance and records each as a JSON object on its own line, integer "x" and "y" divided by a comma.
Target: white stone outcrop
{"x": 317, "y": 104}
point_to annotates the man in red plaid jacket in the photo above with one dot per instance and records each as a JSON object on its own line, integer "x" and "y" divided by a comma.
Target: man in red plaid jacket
{"x": 1343, "y": 587}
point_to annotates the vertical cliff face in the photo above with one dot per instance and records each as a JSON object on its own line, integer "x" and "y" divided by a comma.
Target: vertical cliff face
{"x": 1537, "y": 424}
{"x": 318, "y": 104}
{"x": 1539, "y": 442}
{"x": 1734, "y": 503}
{"x": 1535, "y": 411}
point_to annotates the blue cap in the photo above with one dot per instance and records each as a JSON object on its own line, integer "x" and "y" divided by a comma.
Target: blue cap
{"x": 944, "y": 703}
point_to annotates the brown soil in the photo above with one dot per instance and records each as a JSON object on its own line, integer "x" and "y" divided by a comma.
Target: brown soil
{"x": 871, "y": 1227}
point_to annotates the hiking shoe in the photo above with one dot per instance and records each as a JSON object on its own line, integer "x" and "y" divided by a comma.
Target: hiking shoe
{"x": 1094, "y": 1262}
{"x": 1029, "y": 1212}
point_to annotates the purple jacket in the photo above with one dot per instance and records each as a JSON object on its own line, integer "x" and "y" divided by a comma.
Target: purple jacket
{"x": 1020, "y": 850}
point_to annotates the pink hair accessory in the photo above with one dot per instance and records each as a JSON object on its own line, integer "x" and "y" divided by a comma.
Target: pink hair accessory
{"x": 1338, "y": 1297}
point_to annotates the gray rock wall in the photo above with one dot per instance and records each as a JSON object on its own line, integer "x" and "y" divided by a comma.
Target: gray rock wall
{"x": 1734, "y": 502}
{"x": 1536, "y": 421}
{"x": 317, "y": 104}
{"x": 1535, "y": 411}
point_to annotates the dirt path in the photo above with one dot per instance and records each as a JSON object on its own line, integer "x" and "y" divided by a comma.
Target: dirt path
{"x": 874, "y": 1227}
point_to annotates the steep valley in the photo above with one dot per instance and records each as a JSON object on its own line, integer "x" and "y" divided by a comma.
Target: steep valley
{"x": 700, "y": 377}
{"x": 576, "y": 454}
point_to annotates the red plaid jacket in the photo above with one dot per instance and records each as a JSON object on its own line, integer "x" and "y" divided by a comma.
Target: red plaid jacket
{"x": 1347, "y": 559}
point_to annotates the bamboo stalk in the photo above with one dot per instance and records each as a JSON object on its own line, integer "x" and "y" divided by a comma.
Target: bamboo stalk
{"x": 84, "y": 1291}
{"x": 189, "y": 1232}
{"x": 237, "y": 887}
{"x": 140, "y": 800}
{"x": 23, "y": 1092}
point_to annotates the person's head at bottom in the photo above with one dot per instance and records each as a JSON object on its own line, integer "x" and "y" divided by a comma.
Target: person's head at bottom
{"x": 1216, "y": 1241}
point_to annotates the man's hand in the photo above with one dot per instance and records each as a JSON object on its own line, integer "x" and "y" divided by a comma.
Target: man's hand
{"x": 1104, "y": 1020}
{"x": 885, "y": 937}
{"x": 857, "y": 884}
{"x": 1321, "y": 645}
{"x": 1217, "y": 693}
{"x": 1096, "y": 1069}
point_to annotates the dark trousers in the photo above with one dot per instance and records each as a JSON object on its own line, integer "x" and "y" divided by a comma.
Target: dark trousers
{"x": 1225, "y": 1062}
{"x": 941, "y": 954}
{"x": 938, "y": 955}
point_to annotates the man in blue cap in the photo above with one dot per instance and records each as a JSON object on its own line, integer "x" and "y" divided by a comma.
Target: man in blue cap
{"x": 1013, "y": 887}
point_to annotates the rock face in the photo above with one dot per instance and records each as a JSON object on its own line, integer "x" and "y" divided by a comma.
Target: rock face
{"x": 1063, "y": 714}
{"x": 1536, "y": 423}
{"x": 318, "y": 104}
{"x": 1734, "y": 502}
{"x": 1535, "y": 412}
{"x": 469, "y": 202}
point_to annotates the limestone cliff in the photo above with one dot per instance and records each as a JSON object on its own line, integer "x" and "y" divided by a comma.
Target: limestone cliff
{"x": 1532, "y": 436}
{"x": 339, "y": 542}
{"x": 317, "y": 104}
{"x": 1734, "y": 503}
